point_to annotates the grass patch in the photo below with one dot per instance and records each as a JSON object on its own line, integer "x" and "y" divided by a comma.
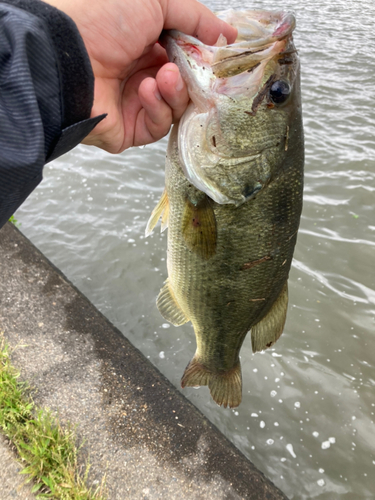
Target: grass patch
{"x": 47, "y": 451}
{"x": 14, "y": 221}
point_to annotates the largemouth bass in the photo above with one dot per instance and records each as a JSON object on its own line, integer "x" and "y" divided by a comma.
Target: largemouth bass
{"x": 233, "y": 194}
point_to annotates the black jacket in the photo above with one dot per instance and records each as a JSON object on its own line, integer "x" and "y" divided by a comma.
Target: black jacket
{"x": 46, "y": 95}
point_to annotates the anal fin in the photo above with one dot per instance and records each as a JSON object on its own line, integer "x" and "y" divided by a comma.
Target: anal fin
{"x": 169, "y": 308}
{"x": 267, "y": 331}
{"x": 225, "y": 387}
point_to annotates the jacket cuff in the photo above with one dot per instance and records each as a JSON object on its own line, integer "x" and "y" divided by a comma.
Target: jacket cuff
{"x": 73, "y": 135}
{"x": 76, "y": 75}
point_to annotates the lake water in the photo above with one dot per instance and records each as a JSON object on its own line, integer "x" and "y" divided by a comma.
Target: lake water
{"x": 307, "y": 416}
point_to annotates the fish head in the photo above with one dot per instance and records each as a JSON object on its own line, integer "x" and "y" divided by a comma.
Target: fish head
{"x": 245, "y": 109}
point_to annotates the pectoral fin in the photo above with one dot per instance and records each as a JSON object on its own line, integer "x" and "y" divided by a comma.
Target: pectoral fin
{"x": 169, "y": 308}
{"x": 268, "y": 330}
{"x": 199, "y": 228}
{"x": 225, "y": 387}
{"x": 161, "y": 210}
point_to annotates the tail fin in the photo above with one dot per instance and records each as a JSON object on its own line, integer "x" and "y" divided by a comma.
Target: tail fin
{"x": 225, "y": 387}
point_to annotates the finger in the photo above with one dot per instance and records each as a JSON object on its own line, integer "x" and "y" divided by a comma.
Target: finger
{"x": 193, "y": 18}
{"x": 152, "y": 57}
{"x": 155, "y": 118}
{"x": 173, "y": 89}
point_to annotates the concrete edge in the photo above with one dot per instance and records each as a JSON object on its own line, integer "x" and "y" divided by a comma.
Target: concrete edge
{"x": 139, "y": 430}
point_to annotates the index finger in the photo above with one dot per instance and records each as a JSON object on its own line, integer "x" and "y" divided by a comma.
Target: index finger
{"x": 193, "y": 18}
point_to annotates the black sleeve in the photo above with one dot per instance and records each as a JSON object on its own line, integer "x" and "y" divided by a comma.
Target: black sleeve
{"x": 46, "y": 95}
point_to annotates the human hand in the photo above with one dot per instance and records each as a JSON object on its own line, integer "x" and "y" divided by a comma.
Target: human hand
{"x": 142, "y": 93}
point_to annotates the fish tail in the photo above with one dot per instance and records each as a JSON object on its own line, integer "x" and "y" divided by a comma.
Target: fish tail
{"x": 225, "y": 387}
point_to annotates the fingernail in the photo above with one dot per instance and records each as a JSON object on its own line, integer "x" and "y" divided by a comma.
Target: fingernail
{"x": 179, "y": 84}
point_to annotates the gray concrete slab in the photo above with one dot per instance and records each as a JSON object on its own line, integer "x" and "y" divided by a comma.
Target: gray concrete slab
{"x": 139, "y": 431}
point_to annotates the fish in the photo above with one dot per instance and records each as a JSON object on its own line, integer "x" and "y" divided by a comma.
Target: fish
{"x": 233, "y": 194}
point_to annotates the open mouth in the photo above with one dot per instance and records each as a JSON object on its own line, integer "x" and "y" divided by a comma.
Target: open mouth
{"x": 230, "y": 70}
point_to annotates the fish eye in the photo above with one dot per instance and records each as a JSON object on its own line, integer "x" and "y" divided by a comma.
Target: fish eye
{"x": 279, "y": 92}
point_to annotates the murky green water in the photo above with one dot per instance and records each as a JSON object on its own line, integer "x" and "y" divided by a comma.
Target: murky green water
{"x": 307, "y": 417}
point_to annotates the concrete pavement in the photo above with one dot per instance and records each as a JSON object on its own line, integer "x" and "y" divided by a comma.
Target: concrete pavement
{"x": 138, "y": 430}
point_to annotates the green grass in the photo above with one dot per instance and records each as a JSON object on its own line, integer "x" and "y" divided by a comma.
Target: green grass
{"x": 46, "y": 450}
{"x": 14, "y": 221}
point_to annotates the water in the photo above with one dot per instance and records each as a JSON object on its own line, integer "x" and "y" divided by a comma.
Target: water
{"x": 307, "y": 416}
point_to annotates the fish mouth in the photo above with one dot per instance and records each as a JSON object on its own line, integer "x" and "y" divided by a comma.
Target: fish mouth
{"x": 230, "y": 69}
{"x": 257, "y": 32}
{"x": 225, "y": 82}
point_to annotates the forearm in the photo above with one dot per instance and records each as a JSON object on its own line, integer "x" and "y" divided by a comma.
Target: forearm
{"x": 46, "y": 95}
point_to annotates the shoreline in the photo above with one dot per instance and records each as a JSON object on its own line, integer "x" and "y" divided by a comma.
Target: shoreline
{"x": 138, "y": 430}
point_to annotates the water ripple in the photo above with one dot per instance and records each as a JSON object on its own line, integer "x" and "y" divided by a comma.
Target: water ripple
{"x": 368, "y": 295}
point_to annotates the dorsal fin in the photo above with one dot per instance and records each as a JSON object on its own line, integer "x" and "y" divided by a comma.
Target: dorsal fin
{"x": 161, "y": 210}
{"x": 169, "y": 308}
